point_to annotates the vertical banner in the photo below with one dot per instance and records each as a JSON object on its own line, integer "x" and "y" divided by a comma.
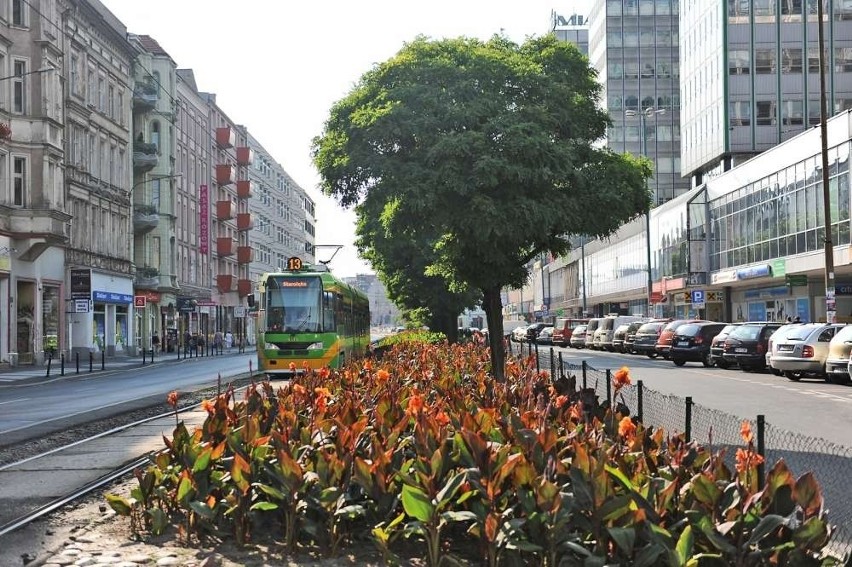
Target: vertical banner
{"x": 204, "y": 215}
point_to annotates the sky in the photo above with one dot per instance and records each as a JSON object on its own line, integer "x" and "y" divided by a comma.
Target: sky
{"x": 278, "y": 66}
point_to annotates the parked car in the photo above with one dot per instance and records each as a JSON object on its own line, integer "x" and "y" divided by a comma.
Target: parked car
{"x": 578, "y": 337}
{"x": 630, "y": 336}
{"x": 535, "y": 328}
{"x": 837, "y": 361}
{"x": 803, "y": 349}
{"x": 606, "y": 330}
{"x": 746, "y": 345}
{"x": 564, "y": 328}
{"x": 519, "y": 334}
{"x": 717, "y": 346}
{"x": 618, "y": 337}
{"x": 591, "y": 327}
{"x": 545, "y": 336}
{"x": 646, "y": 338}
{"x": 664, "y": 341}
{"x": 776, "y": 337}
{"x": 691, "y": 343}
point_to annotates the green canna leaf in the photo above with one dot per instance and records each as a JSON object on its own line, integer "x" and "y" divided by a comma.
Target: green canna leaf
{"x": 685, "y": 544}
{"x": 705, "y": 490}
{"x": 159, "y": 521}
{"x": 813, "y": 534}
{"x": 767, "y": 525}
{"x": 649, "y": 555}
{"x": 416, "y": 504}
{"x": 184, "y": 489}
{"x": 203, "y": 460}
{"x": 264, "y": 506}
{"x": 624, "y": 538}
{"x": 449, "y": 490}
{"x": 202, "y": 509}
{"x": 808, "y": 495}
{"x": 122, "y": 506}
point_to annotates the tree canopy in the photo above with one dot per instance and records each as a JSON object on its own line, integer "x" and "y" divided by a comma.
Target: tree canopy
{"x": 489, "y": 149}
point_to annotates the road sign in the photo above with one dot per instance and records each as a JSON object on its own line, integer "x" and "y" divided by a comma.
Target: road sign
{"x": 239, "y": 312}
{"x": 697, "y": 296}
{"x": 139, "y": 301}
{"x": 81, "y": 305}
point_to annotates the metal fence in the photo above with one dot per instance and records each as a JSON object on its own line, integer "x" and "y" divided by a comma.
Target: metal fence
{"x": 717, "y": 430}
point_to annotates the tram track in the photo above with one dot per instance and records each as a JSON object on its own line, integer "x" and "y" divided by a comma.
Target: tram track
{"x": 41, "y": 476}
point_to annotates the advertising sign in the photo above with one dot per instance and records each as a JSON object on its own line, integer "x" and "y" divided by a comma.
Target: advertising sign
{"x": 81, "y": 284}
{"x": 139, "y": 301}
{"x": 203, "y": 219}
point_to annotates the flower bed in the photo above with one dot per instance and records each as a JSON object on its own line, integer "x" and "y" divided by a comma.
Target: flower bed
{"x": 426, "y": 446}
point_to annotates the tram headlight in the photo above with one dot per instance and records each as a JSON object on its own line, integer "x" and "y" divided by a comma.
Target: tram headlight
{"x": 271, "y": 346}
{"x": 316, "y": 346}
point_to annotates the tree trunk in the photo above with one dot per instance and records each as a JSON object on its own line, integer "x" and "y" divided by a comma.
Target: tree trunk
{"x": 493, "y": 305}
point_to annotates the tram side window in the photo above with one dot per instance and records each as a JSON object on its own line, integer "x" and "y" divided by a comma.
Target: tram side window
{"x": 329, "y": 310}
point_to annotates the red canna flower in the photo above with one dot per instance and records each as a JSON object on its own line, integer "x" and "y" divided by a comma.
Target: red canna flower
{"x": 626, "y": 428}
{"x": 576, "y": 412}
{"x": 442, "y": 419}
{"x": 415, "y": 404}
{"x": 745, "y": 431}
{"x": 324, "y": 372}
{"x": 747, "y": 459}
{"x": 368, "y": 365}
{"x": 561, "y": 401}
{"x": 173, "y": 398}
{"x": 621, "y": 378}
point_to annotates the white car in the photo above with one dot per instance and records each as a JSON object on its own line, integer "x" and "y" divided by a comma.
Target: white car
{"x": 519, "y": 335}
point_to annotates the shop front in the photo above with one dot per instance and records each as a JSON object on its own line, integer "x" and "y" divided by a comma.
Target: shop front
{"x": 147, "y": 320}
{"x": 102, "y": 323}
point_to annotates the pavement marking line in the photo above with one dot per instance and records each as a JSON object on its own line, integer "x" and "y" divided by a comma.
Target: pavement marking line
{"x": 13, "y": 401}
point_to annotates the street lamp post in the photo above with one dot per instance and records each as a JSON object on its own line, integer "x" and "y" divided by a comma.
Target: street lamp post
{"x": 643, "y": 149}
{"x": 41, "y": 70}
{"x": 830, "y": 307}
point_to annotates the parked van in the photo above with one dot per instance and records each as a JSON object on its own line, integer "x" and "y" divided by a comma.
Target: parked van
{"x": 606, "y": 329}
{"x": 591, "y": 328}
{"x": 564, "y": 328}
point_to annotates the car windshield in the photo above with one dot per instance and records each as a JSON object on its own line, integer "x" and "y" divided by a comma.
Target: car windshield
{"x": 747, "y": 332}
{"x": 580, "y": 329}
{"x": 650, "y": 328}
{"x": 728, "y": 329}
{"x": 800, "y": 332}
{"x": 688, "y": 330}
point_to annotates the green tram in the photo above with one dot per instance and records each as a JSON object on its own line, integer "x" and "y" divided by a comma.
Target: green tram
{"x": 309, "y": 319}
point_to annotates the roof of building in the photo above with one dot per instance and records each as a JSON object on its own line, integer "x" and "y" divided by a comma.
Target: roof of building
{"x": 152, "y": 46}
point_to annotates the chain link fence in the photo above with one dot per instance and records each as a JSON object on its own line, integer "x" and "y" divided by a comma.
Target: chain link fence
{"x": 831, "y": 464}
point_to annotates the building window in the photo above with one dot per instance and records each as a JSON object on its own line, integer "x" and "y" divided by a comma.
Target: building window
{"x": 155, "y": 134}
{"x": 19, "y": 181}
{"x": 740, "y": 113}
{"x": 792, "y": 112}
{"x": 843, "y": 60}
{"x": 101, "y": 95}
{"x": 75, "y": 79}
{"x": 813, "y": 59}
{"x": 738, "y": 11}
{"x": 19, "y": 88}
{"x": 791, "y": 10}
{"x": 764, "y": 61}
{"x": 764, "y": 11}
{"x": 766, "y": 113}
{"x": 791, "y": 60}
{"x": 19, "y": 13}
{"x": 738, "y": 62}
{"x": 111, "y": 102}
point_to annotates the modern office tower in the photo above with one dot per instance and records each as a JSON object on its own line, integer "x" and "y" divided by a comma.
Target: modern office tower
{"x": 155, "y": 106}
{"x": 750, "y": 76}
{"x": 633, "y": 45}
{"x": 99, "y": 258}
{"x": 573, "y": 29}
{"x": 34, "y": 218}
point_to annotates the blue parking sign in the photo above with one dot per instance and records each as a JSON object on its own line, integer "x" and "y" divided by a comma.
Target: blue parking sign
{"x": 697, "y": 296}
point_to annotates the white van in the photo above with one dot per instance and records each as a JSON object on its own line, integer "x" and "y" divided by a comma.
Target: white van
{"x": 591, "y": 329}
{"x": 607, "y": 327}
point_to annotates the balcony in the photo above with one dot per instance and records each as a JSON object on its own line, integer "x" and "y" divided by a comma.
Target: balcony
{"x": 145, "y": 156}
{"x": 245, "y": 189}
{"x": 35, "y": 230}
{"x": 245, "y": 156}
{"x": 244, "y": 287}
{"x": 225, "y": 137}
{"x": 225, "y": 174}
{"x": 145, "y": 96}
{"x": 245, "y": 255}
{"x": 146, "y": 278}
{"x": 225, "y": 210}
{"x": 245, "y": 222}
{"x": 226, "y": 246}
{"x": 145, "y": 218}
{"x": 226, "y": 283}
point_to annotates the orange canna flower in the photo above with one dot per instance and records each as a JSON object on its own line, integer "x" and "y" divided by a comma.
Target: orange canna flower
{"x": 368, "y": 365}
{"x": 577, "y": 412}
{"x": 208, "y": 406}
{"x": 322, "y": 392}
{"x": 172, "y": 398}
{"x": 382, "y": 376}
{"x": 443, "y": 419}
{"x": 621, "y": 378}
{"x": 747, "y": 459}
{"x": 292, "y": 367}
{"x": 299, "y": 390}
{"x": 626, "y": 428}
{"x": 324, "y": 372}
{"x": 561, "y": 401}
{"x": 415, "y": 404}
{"x": 745, "y": 431}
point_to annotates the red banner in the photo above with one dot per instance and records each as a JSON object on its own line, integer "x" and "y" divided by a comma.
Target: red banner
{"x": 203, "y": 216}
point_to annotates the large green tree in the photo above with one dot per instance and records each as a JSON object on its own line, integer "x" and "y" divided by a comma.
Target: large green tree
{"x": 493, "y": 147}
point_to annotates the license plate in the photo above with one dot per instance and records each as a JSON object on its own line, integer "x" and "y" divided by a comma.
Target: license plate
{"x": 740, "y": 350}
{"x": 785, "y": 348}
{"x": 683, "y": 343}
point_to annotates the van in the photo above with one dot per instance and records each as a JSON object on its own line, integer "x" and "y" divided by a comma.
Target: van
{"x": 564, "y": 328}
{"x": 591, "y": 327}
{"x": 607, "y": 327}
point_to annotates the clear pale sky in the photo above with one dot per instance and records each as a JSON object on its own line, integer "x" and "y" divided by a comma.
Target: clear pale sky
{"x": 277, "y": 66}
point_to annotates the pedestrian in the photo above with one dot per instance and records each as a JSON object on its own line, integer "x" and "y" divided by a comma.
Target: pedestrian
{"x": 229, "y": 340}
{"x": 797, "y": 319}
{"x": 217, "y": 342}
{"x": 789, "y": 319}
{"x": 155, "y": 342}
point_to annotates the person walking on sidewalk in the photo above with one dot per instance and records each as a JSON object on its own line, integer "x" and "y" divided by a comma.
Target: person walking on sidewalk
{"x": 229, "y": 340}
{"x": 155, "y": 342}
{"x": 217, "y": 342}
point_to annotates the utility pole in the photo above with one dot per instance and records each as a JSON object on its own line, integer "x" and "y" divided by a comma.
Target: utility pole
{"x": 830, "y": 307}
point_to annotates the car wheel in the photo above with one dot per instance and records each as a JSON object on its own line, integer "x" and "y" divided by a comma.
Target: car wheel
{"x": 722, "y": 364}
{"x": 652, "y": 355}
{"x": 707, "y": 361}
{"x": 745, "y": 368}
{"x": 794, "y": 376}
{"x": 841, "y": 379}
{"x": 776, "y": 371}
{"x": 678, "y": 361}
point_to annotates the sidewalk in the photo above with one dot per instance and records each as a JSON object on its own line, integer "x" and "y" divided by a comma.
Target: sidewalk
{"x": 33, "y": 373}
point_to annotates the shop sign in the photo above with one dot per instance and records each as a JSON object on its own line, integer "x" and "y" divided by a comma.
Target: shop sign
{"x": 110, "y": 297}
{"x": 796, "y": 280}
{"x": 843, "y": 289}
{"x": 203, "y": 214}
{"x": 186, "y": 304}
{"x": 139, "y": 301}
{"x": 779, "y": 268}
{"x": 151, "y": 296}
{"x": 81, "y": 284}
{"x": 752, "y": 272}
{"x": 726, "y": 276}
{"x": 715, "y": 296}
{"x": 81, "y": 305}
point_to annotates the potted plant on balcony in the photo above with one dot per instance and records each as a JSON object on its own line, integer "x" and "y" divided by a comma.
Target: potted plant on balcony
{"x": 147, "y": 272}
{"x": 144, "y": 209}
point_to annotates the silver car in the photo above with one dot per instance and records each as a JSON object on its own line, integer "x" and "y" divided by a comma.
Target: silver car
{"x": 774, "y": 339}
{"x": 802, "y": 350}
